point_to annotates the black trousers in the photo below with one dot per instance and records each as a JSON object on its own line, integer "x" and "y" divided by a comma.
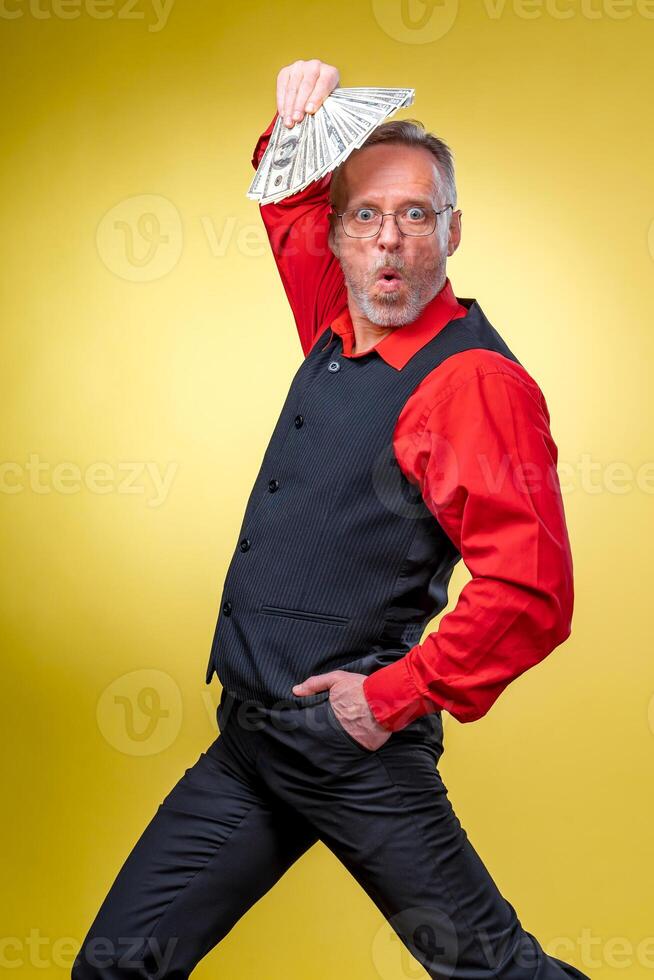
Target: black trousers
{"x": 273, "y": 783}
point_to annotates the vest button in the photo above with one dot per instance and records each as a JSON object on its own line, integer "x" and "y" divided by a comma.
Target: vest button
{"x": 298, "y": 421}
{"x": 333, "y": 366}
{"x": 227, "y": 608}
{"x": 272, "y": 485}
{"x": 245, "y": 544}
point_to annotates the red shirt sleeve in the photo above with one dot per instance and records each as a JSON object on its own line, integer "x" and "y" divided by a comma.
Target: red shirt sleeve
{"x": 297, "y": 229}
{"x": 484, "y": 460}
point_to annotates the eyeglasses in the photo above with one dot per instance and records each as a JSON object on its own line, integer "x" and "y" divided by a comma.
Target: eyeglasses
{"x": 414, "y": 220}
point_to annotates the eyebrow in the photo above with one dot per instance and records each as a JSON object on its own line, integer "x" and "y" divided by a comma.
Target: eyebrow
{"x": 417, "y": 199}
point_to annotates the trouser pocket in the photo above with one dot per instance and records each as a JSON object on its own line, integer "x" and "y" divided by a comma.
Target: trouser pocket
{"x": 340, "y": 730}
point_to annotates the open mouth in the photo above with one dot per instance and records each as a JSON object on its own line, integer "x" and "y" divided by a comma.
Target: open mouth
{"x": 388, "y": 279}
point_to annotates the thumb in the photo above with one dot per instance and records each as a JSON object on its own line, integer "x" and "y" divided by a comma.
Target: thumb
{"x": 314, "y": 684}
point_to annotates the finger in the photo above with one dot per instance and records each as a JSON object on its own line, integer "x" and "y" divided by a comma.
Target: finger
{"x": 291, "y": 91}
{"x": 325, "y": 84}
{"x": 309, "y": 78}
{"x": 306, "y": 687}
{"x": 314, "y": 684}
{"x": 282, "y": 82}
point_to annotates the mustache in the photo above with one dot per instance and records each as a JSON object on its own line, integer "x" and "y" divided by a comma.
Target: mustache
{"x": 390, "y": 262}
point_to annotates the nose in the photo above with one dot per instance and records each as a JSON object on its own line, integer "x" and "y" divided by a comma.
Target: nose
{"x": 389, "y": 236}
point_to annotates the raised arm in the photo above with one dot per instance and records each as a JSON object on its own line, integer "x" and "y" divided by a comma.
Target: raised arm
{"x": 298, "y": 226}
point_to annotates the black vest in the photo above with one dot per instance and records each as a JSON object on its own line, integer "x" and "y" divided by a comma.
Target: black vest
{"x": 339, "y": 563}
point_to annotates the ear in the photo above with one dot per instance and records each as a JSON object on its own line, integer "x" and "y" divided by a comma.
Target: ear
{"x": 331, "y": 238}
{"x": 454, "y": 232}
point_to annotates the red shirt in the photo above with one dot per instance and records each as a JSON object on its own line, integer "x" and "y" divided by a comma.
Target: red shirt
{"x": 474, "y": 437}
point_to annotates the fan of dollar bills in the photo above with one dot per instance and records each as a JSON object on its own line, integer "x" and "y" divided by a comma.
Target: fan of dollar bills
{"x": 296, "y": 157}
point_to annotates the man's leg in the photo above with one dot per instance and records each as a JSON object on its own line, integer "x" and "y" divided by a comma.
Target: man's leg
{"x": 387, "y": 817}
{"x": 215, "y": 845}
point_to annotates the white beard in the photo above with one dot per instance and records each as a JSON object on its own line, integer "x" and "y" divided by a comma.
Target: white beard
{"x": 393, "y": 309}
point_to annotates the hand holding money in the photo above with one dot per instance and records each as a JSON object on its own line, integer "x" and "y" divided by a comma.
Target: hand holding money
{"x": 303, "y": 87}
{"x": 318, "y": 125}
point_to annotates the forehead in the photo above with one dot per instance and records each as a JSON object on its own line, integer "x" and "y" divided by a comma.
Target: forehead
{"x": 391, "y": 171}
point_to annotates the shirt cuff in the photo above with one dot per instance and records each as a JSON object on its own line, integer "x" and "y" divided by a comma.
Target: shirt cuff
{"x": 393, "y": 697}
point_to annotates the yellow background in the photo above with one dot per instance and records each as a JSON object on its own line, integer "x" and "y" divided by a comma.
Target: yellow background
{"x": 126, "y": 345}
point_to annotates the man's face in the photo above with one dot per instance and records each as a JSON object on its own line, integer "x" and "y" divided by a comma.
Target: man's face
{"x": 390, "y": 177}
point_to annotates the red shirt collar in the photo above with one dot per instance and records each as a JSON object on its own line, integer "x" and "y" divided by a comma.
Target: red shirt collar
{"x": 399, "y": 346}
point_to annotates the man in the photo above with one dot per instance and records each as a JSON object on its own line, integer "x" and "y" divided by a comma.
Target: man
{"x": 411, "y": 437}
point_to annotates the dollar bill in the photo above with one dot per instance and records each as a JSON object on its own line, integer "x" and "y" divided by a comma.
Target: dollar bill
{"x": 296, "y": 157}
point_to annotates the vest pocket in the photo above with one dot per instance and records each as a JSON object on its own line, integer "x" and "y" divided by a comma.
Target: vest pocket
{"x": 312, "y": 617}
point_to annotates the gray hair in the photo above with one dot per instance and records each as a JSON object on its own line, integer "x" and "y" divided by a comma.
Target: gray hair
{"x": 406, "y": 132}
